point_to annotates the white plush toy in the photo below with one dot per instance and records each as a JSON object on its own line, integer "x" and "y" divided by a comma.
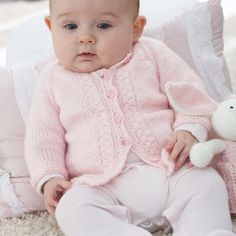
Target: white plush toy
{"x": 224, "y": 124}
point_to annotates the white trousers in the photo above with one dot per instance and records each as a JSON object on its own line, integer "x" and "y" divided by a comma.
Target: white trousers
{"x": 195, "y": 203}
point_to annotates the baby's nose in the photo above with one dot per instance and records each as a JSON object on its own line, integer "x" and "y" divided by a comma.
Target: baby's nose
{"x": 86, "y": 39}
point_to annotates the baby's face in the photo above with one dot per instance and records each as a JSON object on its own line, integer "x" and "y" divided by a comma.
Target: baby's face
{"x": 93, "y": 34}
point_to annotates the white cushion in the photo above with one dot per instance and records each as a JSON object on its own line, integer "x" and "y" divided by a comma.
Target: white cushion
{"x": 159, "y": 11}
{"x": 30, "y": 40}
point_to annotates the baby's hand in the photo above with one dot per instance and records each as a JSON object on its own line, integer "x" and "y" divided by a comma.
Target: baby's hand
{"x": 179, "y": 146}
{"x": 53, "y": 191}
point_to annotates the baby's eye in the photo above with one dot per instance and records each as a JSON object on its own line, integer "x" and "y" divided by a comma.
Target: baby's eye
{"x": 71, "y": 26}
{"x": 231, "y": 107}
{"x": 103, "y": 26}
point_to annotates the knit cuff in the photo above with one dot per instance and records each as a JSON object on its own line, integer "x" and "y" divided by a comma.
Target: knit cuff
{"x": 44, "y": 180}
{"x": 197, "y": 130}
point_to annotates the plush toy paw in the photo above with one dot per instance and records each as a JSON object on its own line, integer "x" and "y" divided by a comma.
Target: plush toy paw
{"x": 201, "y": 155}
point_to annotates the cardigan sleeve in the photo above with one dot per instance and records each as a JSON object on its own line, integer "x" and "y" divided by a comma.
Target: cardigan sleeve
{"x": 45, "y": 144}
{"x": 190, "y": 102}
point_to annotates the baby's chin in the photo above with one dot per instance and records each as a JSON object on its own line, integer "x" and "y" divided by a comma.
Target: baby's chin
{"x": 84, "y": 69}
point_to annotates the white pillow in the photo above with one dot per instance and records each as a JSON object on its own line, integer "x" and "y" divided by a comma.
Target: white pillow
{"x": 30, "y": 40}
{"x": 196, "y": 35}
{"x": 159, "y": 11}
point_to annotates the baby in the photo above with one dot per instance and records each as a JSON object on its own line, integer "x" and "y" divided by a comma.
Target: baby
{"x": 100, "y": 145}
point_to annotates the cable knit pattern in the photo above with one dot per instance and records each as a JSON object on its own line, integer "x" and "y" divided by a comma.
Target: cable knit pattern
{"x": 82, "y": 126}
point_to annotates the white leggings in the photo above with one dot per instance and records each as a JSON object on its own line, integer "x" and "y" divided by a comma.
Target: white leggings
{"x": 194, "y": 201}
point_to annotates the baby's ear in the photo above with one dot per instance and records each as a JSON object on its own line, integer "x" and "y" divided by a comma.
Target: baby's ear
{"x": 139, "y": 24}
{"x": 188, "y": 99}
{"x": 47, "y": 20}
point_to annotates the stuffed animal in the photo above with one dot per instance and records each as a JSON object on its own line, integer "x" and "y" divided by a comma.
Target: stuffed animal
{"x": 224, "y": 124}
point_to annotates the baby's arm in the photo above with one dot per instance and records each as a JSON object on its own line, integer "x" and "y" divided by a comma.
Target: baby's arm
{"x": 176, "y": 77}
{"x": 45, "y": 144}
{"x": 53, "y": 190}
{"x": 186, "y": 96}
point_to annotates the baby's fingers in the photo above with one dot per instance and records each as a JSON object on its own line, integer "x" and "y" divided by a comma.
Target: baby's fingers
{"x": 65, "y": 184}
{"x": 184, "y": 155}
{"x": 51, "y": 210}
{"x": 50, "y": 204}
{"x": 176, "y": 151}
{"x": 189, "y": 165}
{"x": 171, "y": 143}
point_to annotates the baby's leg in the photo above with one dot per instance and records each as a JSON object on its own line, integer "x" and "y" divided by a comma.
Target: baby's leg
{"x": 143, "y": 189}
{"x": 198, "y": 204}
{"x": 94, "y": 211}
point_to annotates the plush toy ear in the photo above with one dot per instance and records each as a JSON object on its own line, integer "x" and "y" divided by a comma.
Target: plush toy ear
{"x": 231, "y": 96}
{"x": 188, "y": 99}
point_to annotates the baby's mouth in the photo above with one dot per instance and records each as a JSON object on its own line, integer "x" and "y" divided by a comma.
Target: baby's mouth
{"x": 86, "y": 55}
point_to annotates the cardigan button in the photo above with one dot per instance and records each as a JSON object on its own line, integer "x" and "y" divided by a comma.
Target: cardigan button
{"x": 106, "y": 75}
{"x": 111, "y": 93}
{"x": 103, "y": 76}
{"x": 125, "y": 142}
{"x": 117, "y": 118}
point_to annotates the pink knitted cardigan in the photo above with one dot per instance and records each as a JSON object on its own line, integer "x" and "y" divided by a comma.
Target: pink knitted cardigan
{"x": 83, "y": 125}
